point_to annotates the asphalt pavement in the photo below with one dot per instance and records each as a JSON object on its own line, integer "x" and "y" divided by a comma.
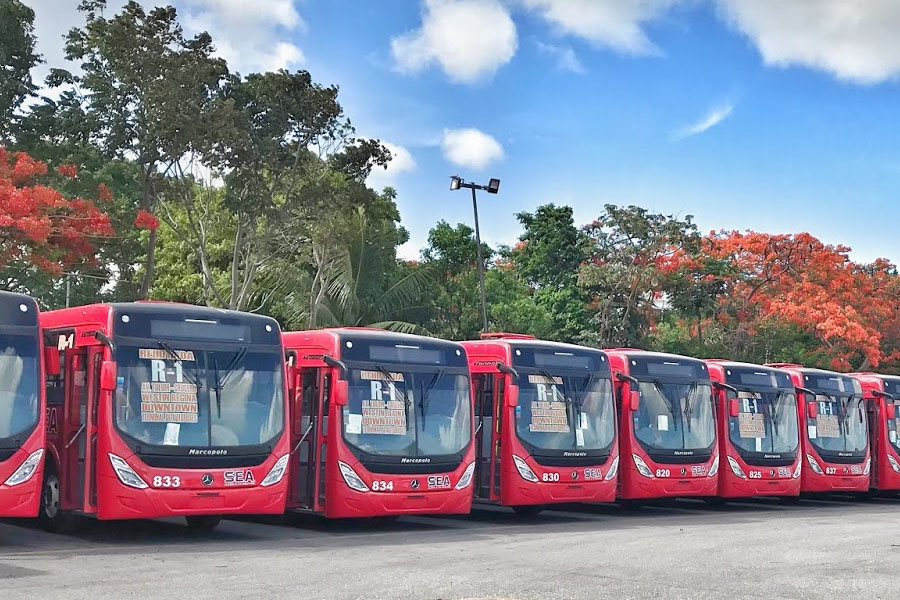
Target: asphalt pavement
{"x": 834, "y": 548}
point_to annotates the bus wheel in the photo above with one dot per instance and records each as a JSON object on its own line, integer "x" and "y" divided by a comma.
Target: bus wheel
{"x": 203, "y": 522}
{"x": 52, "y": 517}
{"x": 531, "y": 510}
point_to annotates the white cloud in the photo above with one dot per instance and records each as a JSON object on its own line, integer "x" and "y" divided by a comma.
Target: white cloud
{"x": 470, "y": 148}
{"x": 855, "y": 40}
{"x": 710, "y": 120}
{"x": 616, "y": 24}
{"x": 249, "y": 35}
{"x": 566, "y": 59}
{"x": 469, "y": 39}
{"x": 402, "y": 161}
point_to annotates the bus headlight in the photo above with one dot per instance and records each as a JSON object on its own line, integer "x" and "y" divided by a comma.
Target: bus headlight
{"x": 814, "y": 465}
{"x": 736, "y": 468}
{"x": 868, "y": 466}
{"x": 277, "y": 472}
{"x": 524, "y": 470}
{"x": 352, "y": 480}
{"x": 642, "y": 467}
{"x": 27, "y": 469}
{"x": 126, "y": 474}
{"x": 466, "y": 479}
{"x": 894, "y": 465}
{"x": 799, "y": 468}
{"x": 613, "y": 469}
{"x": 714, "y": 468}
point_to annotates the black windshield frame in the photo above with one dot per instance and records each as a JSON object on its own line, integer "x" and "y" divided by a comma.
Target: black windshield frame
{"x": 769, "y": 395}
{"x": 844, "y": 402}
{"x": 573, "y": 381}
{"x": 206, "y": 400}
{"x": 24, "y": 345}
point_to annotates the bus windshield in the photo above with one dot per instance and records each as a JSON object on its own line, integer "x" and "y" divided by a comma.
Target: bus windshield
{"x": 766, "y": 422}
{"x": 19, "y": 375}
{"x": 198, "y": 398}
{"x": 675, "y": 416}
{"x": 417, "y": 412}
{"x": 565, "y": 412}
{"x": 840, "y": 425}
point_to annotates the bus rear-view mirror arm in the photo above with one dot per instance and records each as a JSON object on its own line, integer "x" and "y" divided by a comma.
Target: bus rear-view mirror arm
{"x": 507, "y": 369}
{"x": 339, "y": 364}
{"x": 623, "y": 377}
{"x": 724, "y": 386}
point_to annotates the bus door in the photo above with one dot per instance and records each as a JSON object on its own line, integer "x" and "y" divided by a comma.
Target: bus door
{"x": 488, "y": 409}
{"x": 310, "y": 403}
{"x": 74, "y": 429}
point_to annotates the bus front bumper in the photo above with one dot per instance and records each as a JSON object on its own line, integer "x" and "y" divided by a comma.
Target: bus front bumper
{"x": 117, "y": 501}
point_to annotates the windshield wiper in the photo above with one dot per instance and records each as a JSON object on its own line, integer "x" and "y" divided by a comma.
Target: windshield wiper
{"x": 773, "y": 411}
{"x": 689, "y": 405}
{"x": 220, "y": 381}
{"x": 176, "y": 360}
{"x": 669, "y": 404}
{"x": 388, "y": 376}
{"x": 551, "y": 380}
{"x": 423, "y": 400}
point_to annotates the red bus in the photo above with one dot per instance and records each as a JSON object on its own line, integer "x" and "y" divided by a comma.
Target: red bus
{"x": 159, "y": 409}
{"x": 667, "y": 425}
{"x": 21, "y": 407}
{"x": 882, "y": 395}
{"x": 833, "y": 430}
{"x": 758, "y": 430}
{"x": 546, "y": 423}
{"x": 381, "y": 424}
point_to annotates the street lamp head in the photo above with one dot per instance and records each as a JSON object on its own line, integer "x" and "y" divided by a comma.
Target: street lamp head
{"x": 455, "y": 182}
{"x": 493, "y": 186}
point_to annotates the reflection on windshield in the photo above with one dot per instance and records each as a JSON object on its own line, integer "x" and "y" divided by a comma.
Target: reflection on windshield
{"x": 766, "y": 422}
{"x": 178, "y": 397}
{"x": 675, "y": 416}
{"x": 840, "y": 425}
{"x": 18, "y": 384}
{"x": 565, "y": 412}
{"x": 407, "y": 413}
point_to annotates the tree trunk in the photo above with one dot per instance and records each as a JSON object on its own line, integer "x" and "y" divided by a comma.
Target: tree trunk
{"x": 149, "y": 266}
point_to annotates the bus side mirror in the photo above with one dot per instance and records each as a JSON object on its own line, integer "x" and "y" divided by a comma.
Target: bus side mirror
{"x": 733, "y": 407}
{"x": 635, "y": 400}
{"x": 108, "y": 376}
{"x": 812, "y": 410}
{"x": 341, "y": 391}
{"x": 890, "y": 410}
{"x": 51, "y": 361}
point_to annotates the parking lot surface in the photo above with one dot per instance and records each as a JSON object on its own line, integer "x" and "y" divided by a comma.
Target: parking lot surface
{"x": 835, "y": 548}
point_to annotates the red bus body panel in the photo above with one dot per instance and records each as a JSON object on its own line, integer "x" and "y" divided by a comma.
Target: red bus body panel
{"x": 773, "y": 481}
{"x": 409, "y": 494}
{"x": 114, "y": 500}
{"x": 883, "y": 477}
{"x": 843, "y": 479}
{"x": 572, "y": 485}
{"x": 683, "y": 480}
{"x": 23, "y": 500}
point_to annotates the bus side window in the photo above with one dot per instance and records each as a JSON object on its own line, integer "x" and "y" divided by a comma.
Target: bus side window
{"x": 501, "y": 390}
{"x": 55, "y": 388}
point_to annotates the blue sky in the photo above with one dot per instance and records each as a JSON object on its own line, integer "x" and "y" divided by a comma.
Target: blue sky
{"x": 772, "y": 115}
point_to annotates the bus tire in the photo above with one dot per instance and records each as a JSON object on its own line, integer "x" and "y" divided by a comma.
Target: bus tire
{"x": 51, "y": 516}
{"x": 203, "y": 522}
{"x": 530, "y": 510}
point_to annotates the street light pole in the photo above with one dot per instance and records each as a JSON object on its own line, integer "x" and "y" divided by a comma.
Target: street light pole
{"x": 480, "y": 263}
{"x": 492, "y": 187}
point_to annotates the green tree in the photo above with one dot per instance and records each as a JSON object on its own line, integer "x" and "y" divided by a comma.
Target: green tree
{"x": 17, "y": 58}
{"x": 625, "y": 277}
{"x": 150, "y": 94}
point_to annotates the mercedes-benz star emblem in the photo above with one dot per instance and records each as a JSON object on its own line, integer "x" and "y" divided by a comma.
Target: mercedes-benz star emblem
{"x": 683, "y": 471}
{"x": 414, "y": 484}
{"x": 207, "y": 479}
{"x": 574, "y": 475}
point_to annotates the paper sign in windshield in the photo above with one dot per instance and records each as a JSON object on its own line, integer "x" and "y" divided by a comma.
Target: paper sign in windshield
{"x": 167, "y": 398}
{"x": 384, "y": 413}
{"x": 548, "y": 412}
{"x": 751, "y": 425}
{"x": 827, "y": 426}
